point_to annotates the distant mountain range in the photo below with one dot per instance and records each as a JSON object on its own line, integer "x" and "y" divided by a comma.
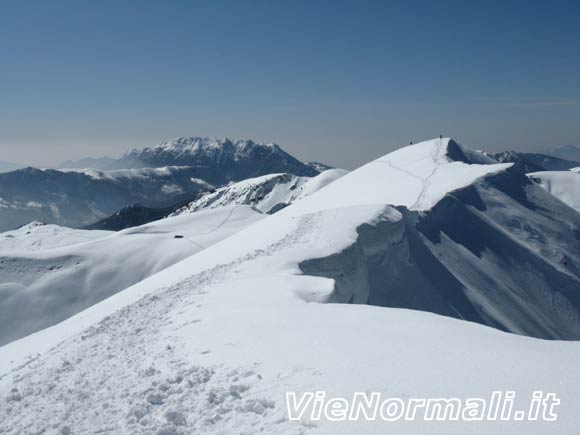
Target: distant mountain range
{"x": 217, "y": 161}
{"x": 79, "y": 198}
{"x": 533, "y": 162}
{"x": 158, "y": 177}
{"x": 568, "y": 152}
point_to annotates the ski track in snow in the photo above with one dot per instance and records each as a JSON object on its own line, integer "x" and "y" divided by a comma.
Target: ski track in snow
{"x": 140, "y": 391}
{"x": 438, "y": 159}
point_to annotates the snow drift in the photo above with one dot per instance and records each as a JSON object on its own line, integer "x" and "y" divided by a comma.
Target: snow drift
{"x": 564, "y": 185}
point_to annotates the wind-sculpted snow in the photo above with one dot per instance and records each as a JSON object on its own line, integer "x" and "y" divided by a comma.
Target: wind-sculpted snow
{"x": 212, "y": 344}
{"x": 469, "y": 259}
{"x": 49, "y": 273}
{"x": 564, "y": 185}
{"x": 268, "y": 194}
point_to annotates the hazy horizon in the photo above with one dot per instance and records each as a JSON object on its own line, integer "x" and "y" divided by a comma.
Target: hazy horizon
{"x": 118, "y": 151}
{"x": 338, "y": 82}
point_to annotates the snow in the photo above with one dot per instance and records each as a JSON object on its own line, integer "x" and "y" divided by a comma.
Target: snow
{"x": 564, "y": 185}
{"x": 185, "y": 145}
{"x": 415, "y": 176}
{"x": 38, "y": 236}
{"x": 48, "y": 273}
{"x": 196, "y": 146}
{"x": 211, "y": 344}
{"x": 267, "y": 193}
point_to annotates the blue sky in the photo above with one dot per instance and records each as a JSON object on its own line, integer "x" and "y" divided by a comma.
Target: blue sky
{"x": 337, "y": 81}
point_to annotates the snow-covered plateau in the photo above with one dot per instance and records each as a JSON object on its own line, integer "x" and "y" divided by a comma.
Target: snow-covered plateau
{"x": 316, "y": 297}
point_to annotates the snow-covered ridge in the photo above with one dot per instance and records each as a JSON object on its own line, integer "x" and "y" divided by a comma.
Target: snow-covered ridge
{"x": 195, "y": 145}
{"x": 213, "y": 343}
{"x": 268, "y": 193}
{"x": 416, "y": 176}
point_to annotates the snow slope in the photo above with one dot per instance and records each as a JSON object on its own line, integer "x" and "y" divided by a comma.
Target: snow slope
{"x": 38, "y": 236}
{"x": 49, "y": 273}
{"x": 564, "y": 185}
{"x": 211, "y": 344}
{"x": 268, "y": 193}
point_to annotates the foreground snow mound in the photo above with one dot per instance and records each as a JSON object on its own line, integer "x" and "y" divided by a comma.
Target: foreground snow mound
{"x": 212, "y": 344}
{"x": 564, "y": 185}
{"x": 268, "y": 194}
{"x": 49, "y": 273}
